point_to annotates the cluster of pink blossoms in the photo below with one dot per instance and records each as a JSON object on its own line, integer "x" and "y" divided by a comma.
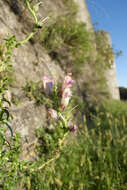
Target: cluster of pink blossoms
{"x": 66, "y": 94}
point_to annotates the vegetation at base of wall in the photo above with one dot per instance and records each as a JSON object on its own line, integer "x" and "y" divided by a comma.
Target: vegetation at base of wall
{"x": 123, "y": 93}
{"x": 114, "y": 111}
{"x": 95, "y": 158}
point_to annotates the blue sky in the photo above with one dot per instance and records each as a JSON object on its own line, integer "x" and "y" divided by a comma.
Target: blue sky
{"x": 111, "y": 16}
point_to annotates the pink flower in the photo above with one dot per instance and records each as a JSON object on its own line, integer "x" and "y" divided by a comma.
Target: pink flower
{"x": 53, "y": 113}
{"x": 66, "y": 95}
{"x": 67, "y": 82}
{"x": 47, "y": 84}
{"x": 66, "y": 91}
{"x": 74, "y": 128}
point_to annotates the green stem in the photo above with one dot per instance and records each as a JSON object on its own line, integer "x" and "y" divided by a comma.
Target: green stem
{"x": 56, "y": 156}
{"x": 48, "y": 162}
{"x": 31, "y": 11}
{"x": 61, "y": 142}
{"x": 26, "y": 39}
{"x": 63, "y": 119}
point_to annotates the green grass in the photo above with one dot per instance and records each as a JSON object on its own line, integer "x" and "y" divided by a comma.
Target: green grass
{"x": 94, "y": 159}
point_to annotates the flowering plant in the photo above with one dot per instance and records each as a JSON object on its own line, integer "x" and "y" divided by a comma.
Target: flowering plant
{"x": 65, "y": 92}
{"x": 54, "y": 136}
{"x": 60, "y": 97}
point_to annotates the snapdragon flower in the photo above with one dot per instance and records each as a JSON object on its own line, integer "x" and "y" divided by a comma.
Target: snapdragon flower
{"x": 47, "y": 84}
{"x": 66, "y": 90}
{"x": 66, "y": 95}
{"x": 67, "y": 83}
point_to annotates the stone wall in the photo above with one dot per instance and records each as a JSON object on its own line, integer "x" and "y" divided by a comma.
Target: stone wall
{"x": 110, "y": 74}
{"x": 83, "y": 14}
{"x": 111, "y": 77}
{"x": 30, "y": 62}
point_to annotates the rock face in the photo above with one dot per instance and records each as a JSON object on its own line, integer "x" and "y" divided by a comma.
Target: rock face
{"x": 111, "y": 77}
{"x": 31, "y": 62}
{"x": 112, "y": 82}
{"x": 110, "y": 74}
{"x": 83, "y": 14}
